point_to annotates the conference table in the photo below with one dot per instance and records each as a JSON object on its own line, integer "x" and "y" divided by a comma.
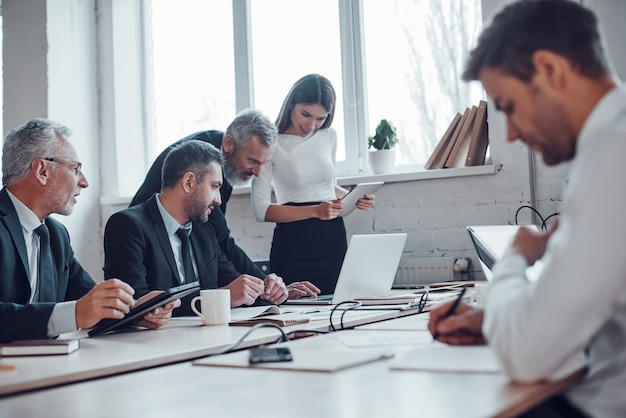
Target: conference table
{"x": 164, "y": 372}
{"x": 181, "y": 339}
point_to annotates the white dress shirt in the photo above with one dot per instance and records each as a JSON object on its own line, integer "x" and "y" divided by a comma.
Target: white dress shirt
{"x": 63, "y": 317}
{"x": 301, "y": 170}
{"x": 575, "y": 314}
{"x": 171, "y": 226}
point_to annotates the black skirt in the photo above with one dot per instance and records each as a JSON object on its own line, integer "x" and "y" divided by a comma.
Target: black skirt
{"x": 312, "y": 249}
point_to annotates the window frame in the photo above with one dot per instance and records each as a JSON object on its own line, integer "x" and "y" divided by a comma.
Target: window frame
{"x": 353, "y": 66}
{"x": 354, "y": 80}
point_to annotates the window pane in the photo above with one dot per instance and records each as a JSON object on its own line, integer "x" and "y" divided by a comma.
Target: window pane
{"x": 289, "y": 40}
{"x": 415, "y": 51}
{"x": 193, "y": 68}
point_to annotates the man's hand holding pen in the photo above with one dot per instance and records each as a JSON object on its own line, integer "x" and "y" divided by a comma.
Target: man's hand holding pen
{"x": 462, "y": 327}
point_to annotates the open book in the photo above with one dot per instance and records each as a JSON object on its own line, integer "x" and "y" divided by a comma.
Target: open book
{"x": 257, "y": 314}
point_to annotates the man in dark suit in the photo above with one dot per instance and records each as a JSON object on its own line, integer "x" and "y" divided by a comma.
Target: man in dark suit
{"x": 247, "y": 144}
{"x": 145, "y": 245}
{"x": 44, "y": 291}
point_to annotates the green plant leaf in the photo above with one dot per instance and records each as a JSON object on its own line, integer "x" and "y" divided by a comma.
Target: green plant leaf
{"x": 385, "y": 137}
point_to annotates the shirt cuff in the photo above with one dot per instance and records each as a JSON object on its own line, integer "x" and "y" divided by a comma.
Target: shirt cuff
{"x": 511, "y": 265}
{"x": 63, "y": 319}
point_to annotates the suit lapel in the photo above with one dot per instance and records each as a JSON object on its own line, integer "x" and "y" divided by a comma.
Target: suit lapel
{"x": 8, "y": 216}
{"x": 161, "y": 233}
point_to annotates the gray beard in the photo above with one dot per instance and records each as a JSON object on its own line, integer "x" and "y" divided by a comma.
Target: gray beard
{"x": 232, "y": 175}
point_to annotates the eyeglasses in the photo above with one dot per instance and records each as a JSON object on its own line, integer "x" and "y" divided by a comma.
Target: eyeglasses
{"x": 77, "y": 166}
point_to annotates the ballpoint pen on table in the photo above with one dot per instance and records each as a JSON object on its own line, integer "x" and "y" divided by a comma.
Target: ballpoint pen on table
{"x": 453, "y": 307}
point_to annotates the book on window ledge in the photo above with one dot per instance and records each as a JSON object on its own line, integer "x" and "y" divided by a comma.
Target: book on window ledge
{"x": 39, "y": 347}
{"x": 256, "y": 315}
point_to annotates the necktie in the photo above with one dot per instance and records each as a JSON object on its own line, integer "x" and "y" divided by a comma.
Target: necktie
{"x": 189, "y": 274}
{"x": 45, "y": 291}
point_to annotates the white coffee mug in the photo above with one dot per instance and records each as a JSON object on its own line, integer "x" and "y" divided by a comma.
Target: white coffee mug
{"x": 215, "y": 305}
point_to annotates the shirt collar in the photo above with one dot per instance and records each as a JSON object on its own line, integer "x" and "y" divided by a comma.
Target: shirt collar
{"x": 608, "y": 110}
{"x": 27, "y": 217}
{"x": 171, "y": 224}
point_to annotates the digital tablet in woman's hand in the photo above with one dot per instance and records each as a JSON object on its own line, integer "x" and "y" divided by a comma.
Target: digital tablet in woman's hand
{"x": 349, "y": 200}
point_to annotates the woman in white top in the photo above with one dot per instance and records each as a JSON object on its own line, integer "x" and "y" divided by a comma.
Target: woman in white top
{"x": 309, "y": 241}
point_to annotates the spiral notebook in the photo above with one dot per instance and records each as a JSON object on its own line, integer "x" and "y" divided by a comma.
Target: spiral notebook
{"x": 271, "y": 314}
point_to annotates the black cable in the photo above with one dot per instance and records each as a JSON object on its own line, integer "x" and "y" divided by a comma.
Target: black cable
{"x": 528, "y": 207}
{"x": 257, "y": 326}
{"x": 353, "y": 303}
{"x": 544, "y": 226}
{"x": 296, "y": 331}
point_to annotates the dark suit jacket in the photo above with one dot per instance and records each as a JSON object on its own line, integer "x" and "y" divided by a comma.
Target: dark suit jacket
{"x": 18, "y": 318}
{"x": 137, "y": 250}
{"x": 152, "y": 185}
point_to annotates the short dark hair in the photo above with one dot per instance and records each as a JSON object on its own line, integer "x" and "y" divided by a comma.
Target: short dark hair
{"x": 310, "y": 89}
{"x": 522, "y": 28}
{"x": 195, "y": 156}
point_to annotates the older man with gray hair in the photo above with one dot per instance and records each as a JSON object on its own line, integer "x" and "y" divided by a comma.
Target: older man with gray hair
{"x": 44, "y": 290}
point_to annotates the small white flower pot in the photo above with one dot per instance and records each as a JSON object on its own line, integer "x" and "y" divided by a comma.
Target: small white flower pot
{"x": 382, "y": 161}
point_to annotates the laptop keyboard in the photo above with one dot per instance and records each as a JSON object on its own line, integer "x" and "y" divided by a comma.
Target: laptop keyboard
{"x": 320, "y": 297}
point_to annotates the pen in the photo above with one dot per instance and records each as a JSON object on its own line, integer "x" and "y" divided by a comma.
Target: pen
{"x": 452, "y": 308}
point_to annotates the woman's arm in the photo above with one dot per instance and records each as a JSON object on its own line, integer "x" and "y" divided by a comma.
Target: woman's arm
{"x": 286, "y": 213}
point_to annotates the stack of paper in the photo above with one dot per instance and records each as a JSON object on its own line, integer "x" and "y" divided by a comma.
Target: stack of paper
{"x": 439, "y": 357}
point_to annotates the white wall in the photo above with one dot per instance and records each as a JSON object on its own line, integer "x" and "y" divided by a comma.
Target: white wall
{"x": 435, "y": 212}
{"x": 54, "y": 73}
{"x": 50, "y": 71}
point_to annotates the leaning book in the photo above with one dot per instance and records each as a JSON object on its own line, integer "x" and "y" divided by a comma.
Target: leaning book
{"x": 39, "y": 347}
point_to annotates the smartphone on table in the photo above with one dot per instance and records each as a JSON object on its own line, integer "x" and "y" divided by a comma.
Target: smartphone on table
{"x": 269, "y": 355}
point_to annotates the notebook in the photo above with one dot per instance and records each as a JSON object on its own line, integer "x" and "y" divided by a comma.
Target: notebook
{"x": 490, "y": 242}
{"x": 368, "y": 269}
{"x": 439, "y": 357}
{"x": 39, "y": 347}
{"x": 305, "y": 359}
{"x": 256, "y": 314}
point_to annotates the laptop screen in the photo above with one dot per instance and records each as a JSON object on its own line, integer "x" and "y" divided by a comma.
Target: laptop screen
{"x": 368, "y": 269}
{"x": 369, "y": 266}
{"x": 491, "y": 241}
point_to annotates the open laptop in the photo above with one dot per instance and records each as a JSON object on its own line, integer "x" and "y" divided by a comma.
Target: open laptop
{"x": 490, "y": 242}
{"x": 368, "y": 269}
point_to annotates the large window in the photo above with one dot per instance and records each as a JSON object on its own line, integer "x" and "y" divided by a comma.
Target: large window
{"x": 399, "y": 60}
{"x": 415, "y": 51}
{"x": 193, "y": 76}
{"x": 290, "y": 44}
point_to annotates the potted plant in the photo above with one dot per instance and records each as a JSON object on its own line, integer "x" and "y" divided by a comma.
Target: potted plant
{"x": 383, "y": 156}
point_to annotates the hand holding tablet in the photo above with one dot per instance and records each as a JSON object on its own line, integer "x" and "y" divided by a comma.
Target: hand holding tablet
{"x": 352, "y": 197}
{"x": 138, "y": 311}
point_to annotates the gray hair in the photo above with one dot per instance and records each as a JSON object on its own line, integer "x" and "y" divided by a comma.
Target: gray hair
{"x": 251, "y": 122}
{"x": 37, "y": 138}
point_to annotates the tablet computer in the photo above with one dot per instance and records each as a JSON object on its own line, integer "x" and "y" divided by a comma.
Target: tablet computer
{"x": 138, "y": 311}
{"x": 349, "y": 199}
